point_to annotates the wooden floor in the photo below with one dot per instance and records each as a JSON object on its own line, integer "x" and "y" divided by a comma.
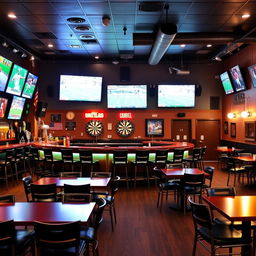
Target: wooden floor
{"x": 141, "y": 228}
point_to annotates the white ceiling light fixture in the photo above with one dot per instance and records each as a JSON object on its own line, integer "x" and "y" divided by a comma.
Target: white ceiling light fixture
{"x": 23, "y": 55}
{"x": 5, "y": 45}
{"x": 12, "y": 15}
{"x": 246, "y": 16}
{"x": 14, "y": 50}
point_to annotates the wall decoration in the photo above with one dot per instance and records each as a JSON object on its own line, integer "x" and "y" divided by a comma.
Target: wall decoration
{"x": 233, "y": 130}
{"x": 125, "y": 128}
{"x": 154, "y": 127}
{"x": 70, "y": 126}
{"x": 94, "y": 128}
{"x": 70, "y": 115}
{"x": 56, "y": 118}
{"x": 249, "y": 128}
{"x": 225, "y": 127}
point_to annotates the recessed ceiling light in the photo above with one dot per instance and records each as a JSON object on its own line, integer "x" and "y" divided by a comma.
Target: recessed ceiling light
{"x": 76, "y": 20}
{"x": 246, "y": 15}
{"x": 82, "y": 28}
{"x": 23, "y": 55}
{"x": 96, "y": 57}
{"x": 15, "y": 50}
{"x": 4, "y": 44}
{"x": 32, "y": 58}
{"x": 209, "y": 45}
{"x": 88, "y": 36}
{"x": 75, "y": 46}
{"x": 50, "y": 45}
{"x": 218, "y": 58}
{"x": 115, "y": 62}
{"x": 182, "y": 45}
{"x": 12, "y": 15}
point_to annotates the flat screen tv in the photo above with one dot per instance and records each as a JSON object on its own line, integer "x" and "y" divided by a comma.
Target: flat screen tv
{"x": 176, "y": 96}
{"x": 80, "y": 88}
{"x": 127, "y": 96}
{"x": 30, "y": 86}
{"x": 17, "y": 80}
{"x": 3, "y": 105}
{"x": 226, "y": 83}
{"x": 5, "y": 68}
{"x": 237, "y": 79}
{"x": 16, "y": 108}
{"x": 252, "y": 71}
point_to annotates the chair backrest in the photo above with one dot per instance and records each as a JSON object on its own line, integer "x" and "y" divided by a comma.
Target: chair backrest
{"x": 202, "y": 153}
{"x": 35, "y": 153}
{"x": 160, "y": 176}
{"x": 230, "y": 163}
{"x": 19, "y": 153}
{"x": 43, "y": 193}
{"x": 120, "y": 157}
{"x": 161, "y": 156}
{"x": 7, "y": 233}
{"x": 67, "y": 155}
{"x": 48, "y": 154}
{"x": 76, "y": 198}
{"x": 7, "y": 199}
{"x": 85, "y": 156}
{"x": 196, "y": 153}
{"x": 178, "y": 155}
{"x": 114, "y": 186}
{"x": 201, "y": 214}
{"x": 225, "y": 191}
{"x": 142, "y": 157}
{"x": 57, "y": 236}
{"x": 84, "y": 189}
{"x": 210, "y": 171}
{"x": 98, "y": 212}
{"x": 193, "y": 180}
{"x": 9, "y": 155}
{"x": 70, "y": 174}
{"x": 244, "y": 154}
{"x": 100, "y": 174}
{"x": 26, "y": 184}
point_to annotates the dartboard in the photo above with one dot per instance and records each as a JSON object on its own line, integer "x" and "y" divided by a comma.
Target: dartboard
{"x": 94, "y": 128}
{"x": 125, "y": 128}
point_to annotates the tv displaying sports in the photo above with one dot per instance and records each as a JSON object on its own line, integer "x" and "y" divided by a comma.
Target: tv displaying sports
{"x": 226, "y": 83}
{"x": 252, "y": 71}
{"x": 176, "y": 96}
{"x": 16, "y": 108}
{"x": 237, "y": 79}
{"x": 5, "y": 68}
{"x": 3, "y": 105}
{"x": 17, "y": 80}
{"x": 30, "y": 86}
{"x": 80, "y": 88}
{"x": 127, "y": 96}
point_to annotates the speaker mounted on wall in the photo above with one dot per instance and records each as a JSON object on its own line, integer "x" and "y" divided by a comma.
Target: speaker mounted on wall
{"x": 125, "y": 74}
{"x": 41, "y": 109}
{"x": 181, "y": 114}
{"x": 198, "y": 90}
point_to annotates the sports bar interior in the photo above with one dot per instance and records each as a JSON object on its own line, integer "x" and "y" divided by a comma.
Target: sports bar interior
{"x": 127, "y": 127}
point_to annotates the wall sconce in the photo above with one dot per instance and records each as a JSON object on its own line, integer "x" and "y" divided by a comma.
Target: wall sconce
{"x": 245, "y": 114}
{"x": 231, "y": 115}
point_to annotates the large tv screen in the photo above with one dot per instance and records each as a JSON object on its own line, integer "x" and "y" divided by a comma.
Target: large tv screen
{"x": 80, "y": 88}
{"x": 226, "y": 83}
{"x": 5, "y": 67}
{"x": 237, "y": 79}
{"x": 127, "y": 96}
{"x": 3, "y": 105}
{"x": 16, "y": 108}
{"x": 176, "y": 96}
{"x": 252, "y": 71}
{"x": 30, "y": 86}
{"x": 17, "y": 80}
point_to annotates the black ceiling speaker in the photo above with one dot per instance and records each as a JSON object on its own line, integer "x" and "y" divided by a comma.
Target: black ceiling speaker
{"x": 198, "y": 90}
{"x": 41, "y": 109}
{"x": 125, "y": 74}
{"x": 181, "y": 114}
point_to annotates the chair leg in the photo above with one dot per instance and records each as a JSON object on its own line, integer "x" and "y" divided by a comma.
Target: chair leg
{"x": 228, "y": 178}
{"x": 194, "y": 245}
{"x": 114, "y": 210}
{"x": 147, "y": 173}
{"x": 126, "y": 173}
{"x": 135, "y": 175}
{"x": 158, "y": 199}
{"x": 111, "y": 218}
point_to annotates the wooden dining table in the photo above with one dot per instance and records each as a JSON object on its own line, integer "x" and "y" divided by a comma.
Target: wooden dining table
{"x": 236, "y": 208}
{"x": 25, "y": 213}
{"x": 59, "y": 181}
{"x": 178, "y": 173}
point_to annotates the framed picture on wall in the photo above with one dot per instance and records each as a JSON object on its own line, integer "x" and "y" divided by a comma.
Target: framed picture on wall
{"x": 249, "y": 128}
{"x": 154, "y": 127}
{"x": 56, "y": 118}
{"x": 233, "y": 130}
{"x": 225, "y": 127}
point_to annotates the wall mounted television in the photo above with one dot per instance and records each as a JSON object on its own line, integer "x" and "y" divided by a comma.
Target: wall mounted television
{"x": 16, "y": 108}
{"x": 5, "y": 68}
{"x": 176, "y": 96}
{"x": 237, "y": 79}
{"x": 127, "y": 96}
{"x": 252, "y": 72}
{"x": 30, "y": 86}
{"x": 17, "y": 80}
{"x": 3, "y": 105}
{"x": 226, "y": 83}
{"x": 80, "y": 88}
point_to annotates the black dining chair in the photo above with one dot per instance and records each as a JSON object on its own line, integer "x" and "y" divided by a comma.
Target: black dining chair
{"x": 43, "y": 193}
{"x": 77, "y": 188}
{"x": 27, "y": 181}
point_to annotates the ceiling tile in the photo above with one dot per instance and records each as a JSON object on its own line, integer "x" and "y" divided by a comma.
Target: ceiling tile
{"x": 17, "y": 8}
{"x": 68, "y": 7}
{"x": 41, "y": 8}
{"x": 123, "y": 8}
{"x": 202, "y": 8}
{"x": 97, "y": 8}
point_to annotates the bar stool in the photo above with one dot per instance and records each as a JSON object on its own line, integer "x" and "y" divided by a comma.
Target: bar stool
{"x": 5, "y": 164}
{"x": 86, "y": 159}
{"x": 120, "y": 159}
{"x": 67, "y": 158}
{"x": 178, "y": 158}
{"x": 37, "y": 159}
{"x": 141, "y": 160}
{"x": 193, "y": 160}
{"x": 49, "y": 160}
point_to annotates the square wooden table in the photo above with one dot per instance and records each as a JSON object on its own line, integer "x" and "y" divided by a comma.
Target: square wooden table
{"x": 94, "y": 182}
{"x": 25, "y": 213}
{"x": 178, "y": 173}
{"x": 236, "y": 208}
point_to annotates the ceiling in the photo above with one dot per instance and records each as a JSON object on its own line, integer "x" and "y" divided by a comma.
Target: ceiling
{"x": 43, "y": 22}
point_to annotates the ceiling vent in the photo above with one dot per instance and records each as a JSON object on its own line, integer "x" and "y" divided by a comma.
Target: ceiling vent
{"x": 45, "y": 35}
{"x": 148, "y": 6}
{"x": 126, "y": 55}
{"x": 87, "y": 37}
{"x": 85, "y": 41}
{"x": 82, "y": 28}
{"x": 76, "y": 20}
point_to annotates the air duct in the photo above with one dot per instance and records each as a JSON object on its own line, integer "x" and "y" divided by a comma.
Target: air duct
{"x": 165, "y": 36}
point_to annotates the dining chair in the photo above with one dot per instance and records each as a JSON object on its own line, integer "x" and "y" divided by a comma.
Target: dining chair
{"x": 59, "y": 239}
{"x": 43, "y": 193}
{"x": 70, "y": 174}
{"x": 209, "y": 170}
{"x": 193, "y": 160}
{"x": 178, "y": 158}
{"x": 76, "y": 198}
{"x": 213, "y": 236}
{"x": 100, "y": 174}
{"x": 7, "y": 199}
{"x": 26, "y": 184}
{"x": 85, "y": 188}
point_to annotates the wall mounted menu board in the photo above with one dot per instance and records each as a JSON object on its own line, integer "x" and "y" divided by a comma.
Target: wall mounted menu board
{"x": 70, "y": 126}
